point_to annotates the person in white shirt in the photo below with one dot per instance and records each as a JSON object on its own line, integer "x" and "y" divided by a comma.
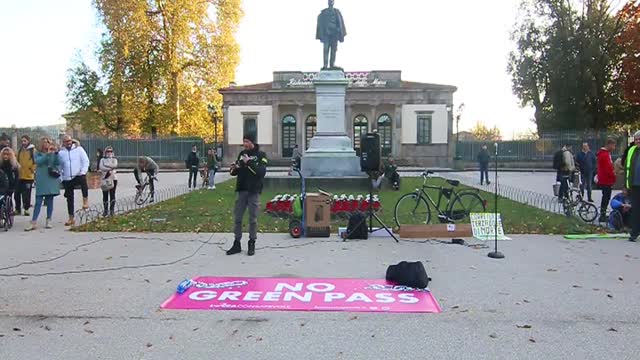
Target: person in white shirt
{"x": 74, "y": 165}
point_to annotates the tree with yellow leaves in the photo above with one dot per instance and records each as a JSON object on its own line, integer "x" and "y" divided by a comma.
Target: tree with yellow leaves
{"x": 162, "y": 63}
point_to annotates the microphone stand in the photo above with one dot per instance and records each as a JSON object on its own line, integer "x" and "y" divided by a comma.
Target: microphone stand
{"x": 496, "y": 254}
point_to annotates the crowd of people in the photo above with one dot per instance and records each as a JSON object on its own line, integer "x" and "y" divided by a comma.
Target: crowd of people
{"x": 600, "y": 169}
{"x": 47, "y": 167}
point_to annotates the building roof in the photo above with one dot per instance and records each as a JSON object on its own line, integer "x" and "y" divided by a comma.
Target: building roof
{"x": 360, "y": 81}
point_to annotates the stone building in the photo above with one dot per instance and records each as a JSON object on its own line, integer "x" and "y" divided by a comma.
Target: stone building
{"x": 414, "y": 119}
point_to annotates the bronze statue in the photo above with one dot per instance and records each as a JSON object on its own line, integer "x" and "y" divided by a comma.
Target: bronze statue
{"x": 330, "y": 31}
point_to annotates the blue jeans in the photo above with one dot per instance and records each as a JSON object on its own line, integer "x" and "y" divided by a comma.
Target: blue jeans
{"x": 48, "y": 199}
{"x": 586, "y": 184}
{"x": 212, "y": 177}
{"x": 484, "y": 173}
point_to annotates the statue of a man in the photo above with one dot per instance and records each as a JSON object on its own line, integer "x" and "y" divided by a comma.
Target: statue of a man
{"x": 331, "y": 30}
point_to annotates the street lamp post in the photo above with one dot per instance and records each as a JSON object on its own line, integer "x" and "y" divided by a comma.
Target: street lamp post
{"x": 458, "y": 116}
{"x": 214, "y": 119}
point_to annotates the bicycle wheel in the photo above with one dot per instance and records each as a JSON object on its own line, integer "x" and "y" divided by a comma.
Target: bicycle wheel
{"x": 463, "y": 205}
{"x": 567, "y": 207}
{"x": 4, "y": 223}
{"x": 587, "y": 212}
{"x": 142, "y": 195}
{"x": 412, "y": 209}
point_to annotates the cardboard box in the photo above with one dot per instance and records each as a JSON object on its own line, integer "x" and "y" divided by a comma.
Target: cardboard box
{"x": 436, "y": 231}
{"x": 318, "y": 210}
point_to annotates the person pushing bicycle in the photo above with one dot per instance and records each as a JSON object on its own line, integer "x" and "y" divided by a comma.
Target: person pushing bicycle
{"x": 148, "y": 166}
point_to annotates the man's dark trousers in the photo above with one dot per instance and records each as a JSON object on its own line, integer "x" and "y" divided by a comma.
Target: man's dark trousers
{"x": 635, "y": 211}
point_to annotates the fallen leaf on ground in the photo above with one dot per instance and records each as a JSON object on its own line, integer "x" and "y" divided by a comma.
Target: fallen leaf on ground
{"x": 86, "y": 322}
{"x": 524, "y": 326}
{"x": 149, "y": 345}
{"x": 259, "y": 339}
{"x": 532, "y": 340}
{"x": 526, "y": 301}
{"x": 16, "y": 329}
{"x": 88, "y": 331}
{"x": 196, "y": 329}
{"x": 620, "y": 278}
{"x": 354, "y": 318}
{"x": 612, "y": 330}
{"x": 552, "y": 270}
{"x": 610, "y": 296}
{"x": 455, "y": 307}
{"x": 577, "y": 286}
{"x": 493, "y": 336}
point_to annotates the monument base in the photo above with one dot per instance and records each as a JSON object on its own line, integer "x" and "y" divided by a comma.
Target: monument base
{"x": 331, "y": 156}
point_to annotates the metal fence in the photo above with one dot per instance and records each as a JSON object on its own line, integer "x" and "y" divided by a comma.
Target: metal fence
{"x": 543, "y": 148}
{"x": 162, "y": 150}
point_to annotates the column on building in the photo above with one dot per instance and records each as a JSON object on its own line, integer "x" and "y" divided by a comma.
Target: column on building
{"x": 300, "y": 128}
{"x": 396, "y": 127}
{"x": 349, "y": 121}
{"x": 373, "y": 122}
{"x": 277, "y": 129}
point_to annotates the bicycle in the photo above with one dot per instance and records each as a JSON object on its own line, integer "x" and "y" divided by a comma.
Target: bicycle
{"x": 7, "y": 212}
{"x": 415, "y": 208}
{"x": 144, "y": 191}
{"x": 573, "y": 203}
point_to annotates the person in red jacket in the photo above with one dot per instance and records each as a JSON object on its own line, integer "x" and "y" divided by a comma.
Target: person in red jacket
{"x": 606, "y": 176}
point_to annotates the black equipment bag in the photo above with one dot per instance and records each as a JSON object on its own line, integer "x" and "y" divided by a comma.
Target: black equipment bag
{"x": 357, "y": 227}
{"x": 410, "y": 274}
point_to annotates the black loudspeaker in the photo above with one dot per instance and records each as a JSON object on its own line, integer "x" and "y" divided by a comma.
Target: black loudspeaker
{"x": 370, "y": 152}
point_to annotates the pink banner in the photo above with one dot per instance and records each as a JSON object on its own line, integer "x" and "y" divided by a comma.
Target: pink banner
{"x": 266, "y": 294}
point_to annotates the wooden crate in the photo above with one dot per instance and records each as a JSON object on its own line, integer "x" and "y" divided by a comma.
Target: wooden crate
{"x": 435, "y": 231}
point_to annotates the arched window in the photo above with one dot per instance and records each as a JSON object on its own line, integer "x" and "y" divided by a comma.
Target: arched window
{"x": 360, "y": 127}
{"x": 386, "y": 134}
{"x": 310, "y": 129}
{"x": 288, "y": 135}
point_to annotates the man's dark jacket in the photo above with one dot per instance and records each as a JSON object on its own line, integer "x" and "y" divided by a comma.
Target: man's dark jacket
{"x": 250, "y": 175}
{"x": 323, "y": 25}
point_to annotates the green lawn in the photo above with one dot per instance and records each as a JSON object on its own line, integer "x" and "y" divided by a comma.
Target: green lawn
{"x": 211, "y": 211}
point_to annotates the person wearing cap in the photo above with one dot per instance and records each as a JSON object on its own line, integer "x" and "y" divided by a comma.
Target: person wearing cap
{"x": 250, "y": 168}
{"x": 632, "y": 184}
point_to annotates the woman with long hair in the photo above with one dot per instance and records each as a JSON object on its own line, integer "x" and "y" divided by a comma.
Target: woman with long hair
{"x": 47, "y": 181}
{"x": 9, "y": 164}
{"x": 107, "y": 168}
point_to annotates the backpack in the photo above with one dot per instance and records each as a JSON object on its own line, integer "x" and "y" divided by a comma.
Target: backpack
{"x": 357, "y": 227}
{"x": 410, "y": 274}
{"x": 557, "y": 159}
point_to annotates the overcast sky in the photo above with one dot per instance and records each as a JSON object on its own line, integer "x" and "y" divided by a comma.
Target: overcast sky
{"x": 459, "y": 42}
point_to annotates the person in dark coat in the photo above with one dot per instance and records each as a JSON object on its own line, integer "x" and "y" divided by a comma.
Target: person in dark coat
{"x": 193, "y": 163}
{"x": 632, "y": 184}
{"x": 250, "y": 169}
{"x": 483, "y": 161}
{"x": 586, "y": 162}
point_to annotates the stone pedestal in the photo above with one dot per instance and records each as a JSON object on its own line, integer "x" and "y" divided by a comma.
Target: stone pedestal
{"x": 330, "y": 152}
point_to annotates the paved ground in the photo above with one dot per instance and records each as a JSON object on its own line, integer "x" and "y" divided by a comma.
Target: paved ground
{"x": 580, "y": 300}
